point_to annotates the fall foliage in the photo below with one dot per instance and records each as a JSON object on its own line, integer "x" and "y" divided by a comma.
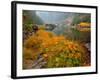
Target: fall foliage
{"x": 56, "y": 39}
{"x": 57, "y": 51}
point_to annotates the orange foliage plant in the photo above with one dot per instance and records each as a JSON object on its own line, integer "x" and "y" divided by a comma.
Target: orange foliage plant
{"x": 57, "y": 51}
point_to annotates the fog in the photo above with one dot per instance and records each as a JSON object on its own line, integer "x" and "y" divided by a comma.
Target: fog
{"x": 62, "y": 21}
{"x": 54, "y": 17}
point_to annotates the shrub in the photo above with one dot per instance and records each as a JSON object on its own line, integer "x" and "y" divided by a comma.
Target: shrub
{"x": 57, "y": 51}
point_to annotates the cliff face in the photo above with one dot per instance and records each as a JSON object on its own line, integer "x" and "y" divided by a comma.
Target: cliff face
{"x": 30, "y": 17}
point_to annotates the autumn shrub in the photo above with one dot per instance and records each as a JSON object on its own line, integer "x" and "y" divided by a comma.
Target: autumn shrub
{"x": 57, "y": 51}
